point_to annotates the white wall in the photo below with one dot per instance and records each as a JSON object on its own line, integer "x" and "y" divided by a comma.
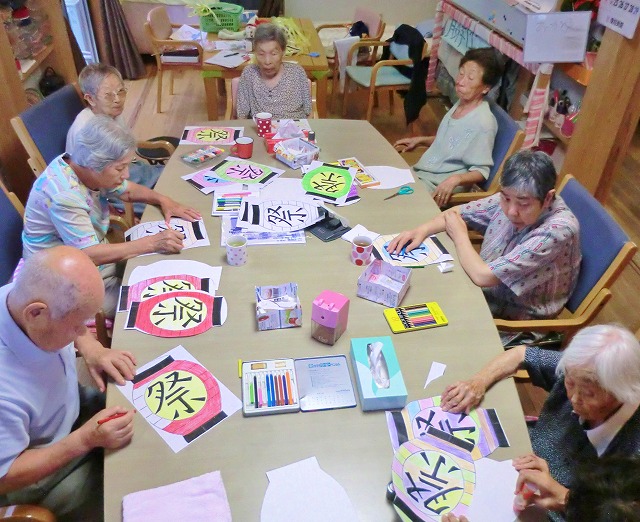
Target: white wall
{"x": 394, "y": 12}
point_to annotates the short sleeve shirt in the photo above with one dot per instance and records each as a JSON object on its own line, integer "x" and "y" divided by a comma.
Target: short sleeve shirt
{"x": 537, "y": 266}
{"x": 39, "y": 400}
{"x": 290, "y": 98}
{"x": 61, "y": 210}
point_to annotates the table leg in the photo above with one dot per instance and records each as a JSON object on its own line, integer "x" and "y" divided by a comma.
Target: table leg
{"x": 322, "y": 84}
{"x": 211, "y": 92}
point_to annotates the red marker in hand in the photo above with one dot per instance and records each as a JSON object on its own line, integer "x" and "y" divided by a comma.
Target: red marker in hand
{"x": 111, "y": 417}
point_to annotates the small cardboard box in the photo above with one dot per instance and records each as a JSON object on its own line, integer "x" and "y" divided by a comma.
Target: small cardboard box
{"x": 384, "y": 283}
{"x": 379, "y": 379}
{"x": 270, "y": 141}
{"x": 278, "y": 307}
{"x": 296, "y": 152}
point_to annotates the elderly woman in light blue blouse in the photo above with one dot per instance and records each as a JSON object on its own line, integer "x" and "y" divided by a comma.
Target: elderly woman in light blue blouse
{"x": 68, "y": 203}
{"x": 460, "y": 154}
{"x": 272, "y": 85}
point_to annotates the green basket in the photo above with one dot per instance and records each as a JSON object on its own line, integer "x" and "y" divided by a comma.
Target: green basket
{"x": 228, "y": 18}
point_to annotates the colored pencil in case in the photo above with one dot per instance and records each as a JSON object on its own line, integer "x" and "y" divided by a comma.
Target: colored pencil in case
{"x": 254, "y": 393}
{"x": 290, "y": 388}
{"x": 276, "y": 388}
{"x": 284, "y": 387}
{"x": 273, "y": 391}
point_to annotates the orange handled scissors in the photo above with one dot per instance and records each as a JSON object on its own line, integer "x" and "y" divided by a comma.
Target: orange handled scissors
{"x": 404, "y": 191}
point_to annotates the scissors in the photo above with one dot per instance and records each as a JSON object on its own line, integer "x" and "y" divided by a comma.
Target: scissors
{"x": 404, "y": 191}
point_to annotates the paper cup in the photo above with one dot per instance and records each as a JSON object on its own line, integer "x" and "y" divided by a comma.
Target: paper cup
{"x": 243, "y": 147}
{"x": 263, "y": 121}
{"x": 361, "y": 248}
{"x": 236, "y": 250}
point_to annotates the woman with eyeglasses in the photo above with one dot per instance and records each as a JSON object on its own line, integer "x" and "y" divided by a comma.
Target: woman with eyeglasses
{"x": 104, "y": 91}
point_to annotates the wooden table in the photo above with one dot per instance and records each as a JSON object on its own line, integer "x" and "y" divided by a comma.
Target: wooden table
{"x": 352, "y": 446}
{"x": 317, "y": 70}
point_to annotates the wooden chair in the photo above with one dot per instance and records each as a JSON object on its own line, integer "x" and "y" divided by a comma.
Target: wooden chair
{"x": 374, "y": 23}
{"x": 231, "y": 88}
{"x": 26, "y": 513}
{"x": 606, "y": 251}
{"x": 159, "y": 28}
{"x": 383, "y": 76}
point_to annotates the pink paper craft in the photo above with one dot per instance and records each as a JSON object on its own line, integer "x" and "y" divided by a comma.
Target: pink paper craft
{"x": 197, "y": 498}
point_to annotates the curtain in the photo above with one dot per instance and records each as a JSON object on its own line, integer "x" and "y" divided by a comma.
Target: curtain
{"x": 114, "y": 40}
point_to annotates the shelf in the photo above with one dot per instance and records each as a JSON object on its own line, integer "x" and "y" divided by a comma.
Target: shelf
{"x": 34, "y": 62}
{"x": 551, "y": 127}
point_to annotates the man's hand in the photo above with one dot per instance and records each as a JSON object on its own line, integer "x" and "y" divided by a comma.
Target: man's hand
{"x": 118, "y": 365}
{"x": 443, "y": 191}
{"x": 463, "y": 396}
{"x": 171, "y": 208}
{"x": 407, "y": 241}
{"x": 113, "y": 434}
{"x": 455, "y": 226}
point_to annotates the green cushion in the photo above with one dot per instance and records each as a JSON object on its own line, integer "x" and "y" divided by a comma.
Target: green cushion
{"x": 387, "y": 75}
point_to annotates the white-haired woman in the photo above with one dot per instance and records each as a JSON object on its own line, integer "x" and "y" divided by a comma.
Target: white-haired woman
{"x": 68, "y": 203}
{"x": 271, "y": 85}
{"x": 593, "y": 407}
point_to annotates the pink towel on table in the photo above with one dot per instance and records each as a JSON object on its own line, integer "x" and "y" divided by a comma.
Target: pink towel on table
{"x": 199, "y": 498}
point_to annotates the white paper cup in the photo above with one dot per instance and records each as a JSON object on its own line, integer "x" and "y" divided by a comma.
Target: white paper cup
{"x": 236, "y": 250}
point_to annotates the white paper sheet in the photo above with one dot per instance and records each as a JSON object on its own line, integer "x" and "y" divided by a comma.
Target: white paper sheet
{"x": 278, "y": 215}
{"x": 359, "y": 230}
{"x": 142, "y": 394}
{"x": 390, "y": 177}
{"x": 195, "y": 233}
{"x": 228, "y": 59}
{"x": 181, "y": 266}
{"x": 229, "y": 227}
{"x": 186, "y": 32}
{"x": 493, "y": 494}
{"x": 303, "y": 491}
{"x": 437, "y": 370}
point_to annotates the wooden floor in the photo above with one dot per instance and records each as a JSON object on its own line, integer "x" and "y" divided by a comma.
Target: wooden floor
{"x": 187, "y": 106}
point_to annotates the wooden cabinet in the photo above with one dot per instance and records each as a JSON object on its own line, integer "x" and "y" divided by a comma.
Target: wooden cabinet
{"x": 13, "y": 100}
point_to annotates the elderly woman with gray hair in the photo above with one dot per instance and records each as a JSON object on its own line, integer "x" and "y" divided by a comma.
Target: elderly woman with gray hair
{"x": 592, "y": 411}
{"x": 530, "y": 257}
{"x": 68, "y": 203}
{"x": 272, "y": 85}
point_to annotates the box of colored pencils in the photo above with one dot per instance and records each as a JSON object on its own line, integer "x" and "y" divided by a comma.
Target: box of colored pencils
{"x": 269, "y": 387}
{"x": 415, "y": 317}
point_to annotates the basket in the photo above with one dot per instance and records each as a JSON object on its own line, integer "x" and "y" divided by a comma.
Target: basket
{"x": 228, "y": 18}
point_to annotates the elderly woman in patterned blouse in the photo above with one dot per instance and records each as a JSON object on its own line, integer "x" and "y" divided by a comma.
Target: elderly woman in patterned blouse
{"x": 530, "y": 257}
{"x": 272, "y": 85}
{"x": 592, "y": 411}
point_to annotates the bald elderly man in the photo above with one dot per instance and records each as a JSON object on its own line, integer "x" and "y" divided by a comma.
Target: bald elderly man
{"x": 48, "y": 455}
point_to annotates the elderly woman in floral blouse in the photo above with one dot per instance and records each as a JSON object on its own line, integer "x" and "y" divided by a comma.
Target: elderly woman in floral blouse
{"x": 272, "y": 85}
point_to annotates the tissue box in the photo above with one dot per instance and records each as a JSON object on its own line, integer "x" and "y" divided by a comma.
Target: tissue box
{"x": 378, "y": 375}
{"x": 278, "y": 307}
{"x": 270, "y": 142}
{"x": 384, "y": 283}
{"x": 296, "y": 152}
{"x": 329, "y": 314}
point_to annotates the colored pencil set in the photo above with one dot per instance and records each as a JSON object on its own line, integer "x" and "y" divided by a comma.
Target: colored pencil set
{"x": 415, "y": 317}
{"x": 269, "y": 387}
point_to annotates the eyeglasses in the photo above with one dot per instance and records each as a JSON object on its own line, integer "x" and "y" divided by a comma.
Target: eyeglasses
{"x": 112, "y": 96}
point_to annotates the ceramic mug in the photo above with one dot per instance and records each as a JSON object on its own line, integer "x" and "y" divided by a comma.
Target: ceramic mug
{"x": 361, "y": 248}
{"x": 263, "y": 121}
{"x": 243, "y": 147}
{"x": 236, "y": 250}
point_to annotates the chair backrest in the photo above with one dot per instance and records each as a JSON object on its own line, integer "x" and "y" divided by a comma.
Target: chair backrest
{"x": 603, "y": 243}
{"x": 11, "y": 233}
{"x": 372, "y": 20}
{"x": 159, "y": 23}
{"x": 43, "y": 128}
{"x": 509, "y": 139}
{"x": 232, "y": 97}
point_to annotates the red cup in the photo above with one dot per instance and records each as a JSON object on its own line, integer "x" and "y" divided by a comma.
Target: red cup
{"x": 243, "y": 147}
{"x": 263, "y": 121}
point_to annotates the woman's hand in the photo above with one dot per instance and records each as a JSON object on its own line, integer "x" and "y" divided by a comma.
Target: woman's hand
{"x": 445, "y": 189}
{"x": 463, "y": 396}
{"x": 171, "y": 208}
{"x": 166, "y": 242}
{"x": 407, "y": 144}
{"x": 450, "y": 517}
{"x": 455, "y": 226}
{"x": 407, "y": 241}
{"x": 550, "y": 494}
{"x": 531, "y": 461}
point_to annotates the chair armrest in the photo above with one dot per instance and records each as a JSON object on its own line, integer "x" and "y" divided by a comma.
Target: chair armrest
{"x": 159, "y": 144}
{"x": 467, "y": 197}
{"x": 364, "y": 42}
{"x": 179, "y": 43}
{"x": 345, "y": 25}
{"x": 569, "y": 324}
